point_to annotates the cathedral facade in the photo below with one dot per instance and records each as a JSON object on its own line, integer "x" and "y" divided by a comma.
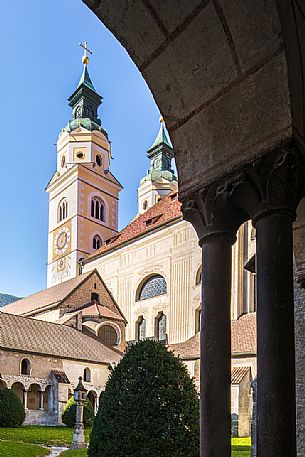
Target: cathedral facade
{"x": 141, "y": 282}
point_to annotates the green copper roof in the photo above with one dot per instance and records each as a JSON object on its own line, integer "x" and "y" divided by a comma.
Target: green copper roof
{"x": 85, "y": 79}
{"x": 161, "y": 138}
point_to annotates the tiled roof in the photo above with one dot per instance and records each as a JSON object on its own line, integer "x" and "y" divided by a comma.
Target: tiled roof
{"x": 99, "y": 311}
{"x": 237, "y": 374}
{"x": 60, "y": 376}
{"x": 166, "y": 210}
{"x": 34, "y": 336}
{"x": 46, "y": 297}
{"x": 243, "y": 339}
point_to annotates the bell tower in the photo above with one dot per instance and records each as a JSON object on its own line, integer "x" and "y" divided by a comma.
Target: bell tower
{"x": 160, "y": 179}
{"x": 83, "y": 193}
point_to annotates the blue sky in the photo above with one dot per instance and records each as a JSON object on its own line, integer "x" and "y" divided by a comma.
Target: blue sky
{"x": 40, "y": 67}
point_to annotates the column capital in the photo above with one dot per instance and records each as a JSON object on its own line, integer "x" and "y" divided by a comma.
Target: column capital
{"x": 212, "y": 212}
{"x": 277, "y": 183}
{"x": 272, "y": 184}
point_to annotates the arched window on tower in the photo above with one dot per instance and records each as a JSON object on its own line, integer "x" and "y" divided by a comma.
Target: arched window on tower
{"x": 97, "y": 242}
{"x": 160, "y": 327}
{"x": 25, "y": 367}
{"x": 97, "y": 209}
{"x": 62, "y": 210}
{"x": 141, "y": 329}
{"x": 153, "y": 286}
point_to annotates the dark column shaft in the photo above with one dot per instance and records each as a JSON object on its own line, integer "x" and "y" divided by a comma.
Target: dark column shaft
{"x": 276, "y": 416}
{"x": 215, "y": 376}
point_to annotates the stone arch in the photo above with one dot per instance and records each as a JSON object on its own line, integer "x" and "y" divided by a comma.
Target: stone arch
{"x": 92, "y": 397}
{"x": 34, "y": 396}
{"x": 225, "y": 53}
{"x": 3, "y": 384}
{"x": 48, "y": 399}
{"x": 19, "y": 389}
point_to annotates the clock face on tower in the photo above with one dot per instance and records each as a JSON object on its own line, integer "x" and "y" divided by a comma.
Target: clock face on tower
{"x": 61, "y": 240}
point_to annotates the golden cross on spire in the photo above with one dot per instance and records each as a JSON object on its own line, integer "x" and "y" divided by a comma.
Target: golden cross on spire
{"x": 85, "y": 58}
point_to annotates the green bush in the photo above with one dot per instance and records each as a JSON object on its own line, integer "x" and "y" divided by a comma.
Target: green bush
{"x": 69, "y": 415}
{"x": 150, "y": 407}
{"x": 12, "y": 412}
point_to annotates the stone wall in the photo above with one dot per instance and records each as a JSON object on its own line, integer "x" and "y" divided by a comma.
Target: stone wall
{"x": 300, "y": 367}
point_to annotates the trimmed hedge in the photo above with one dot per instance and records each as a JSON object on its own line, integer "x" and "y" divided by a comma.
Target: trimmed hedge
{"x": 69, "y": 415}
{"x": 150, "y": 407}
{"x": 12, "y": 412}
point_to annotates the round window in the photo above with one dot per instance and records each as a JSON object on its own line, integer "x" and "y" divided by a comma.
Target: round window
{"x": 80, "y": 155}
{"x": 108, "y": 335}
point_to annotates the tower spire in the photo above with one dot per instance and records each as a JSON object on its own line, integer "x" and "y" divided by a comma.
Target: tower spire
{"x": 85, "y": 100}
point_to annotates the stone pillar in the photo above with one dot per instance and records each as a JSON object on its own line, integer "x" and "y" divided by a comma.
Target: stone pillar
{"x": 268, "y": 192}
{"x": 271, "y": 190}
{"x": 276, "y": 414}
{"x": 215, "y": 360}
{"x": 25, "y": 399}
{"x": 216, "y": 222}
{"x": 41, "y": 408}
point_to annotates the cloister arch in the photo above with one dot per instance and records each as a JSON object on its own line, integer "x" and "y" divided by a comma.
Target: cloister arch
{"x": 3, "y": 384}
{"x": 230, "y": 83}
{"x": 33, "y": 400}
{"x": 19, "y": 389}
{"x": 92, "y": 397}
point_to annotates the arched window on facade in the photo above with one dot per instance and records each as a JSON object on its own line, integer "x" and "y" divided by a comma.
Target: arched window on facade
{"x": 197, "y": 319}
{"x": 62, "y": 210}
{"x": 198, "y": 276}
{"x": 160, "y": 329}
{"x": 25, "y": 367}
{"x": 153, "y": 286}
{"x": 141, "y": 329}
{"x": 108, "y": 335}
{"x": 97, "y": 242}
{"x": 87, "y": 375}
{"x": 97, "y": 209}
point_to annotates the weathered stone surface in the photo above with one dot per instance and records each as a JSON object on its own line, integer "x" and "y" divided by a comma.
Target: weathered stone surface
{"x": 245, "y": 19}
{"x": 182, "y": 71}
{"x": 133, "y": 26}
{"x": 230, "y": 132}
{"x": 173, "y": 13}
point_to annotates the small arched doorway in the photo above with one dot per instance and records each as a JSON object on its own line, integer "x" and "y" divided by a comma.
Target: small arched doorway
{"x": 92, "y": 397}
{"x": 19, "y": 389}
{"x": 34, "y": 394}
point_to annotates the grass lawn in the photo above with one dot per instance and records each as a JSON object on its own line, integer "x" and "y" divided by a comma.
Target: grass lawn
{"x": 241, "y": 447}
{"x": 21, "y": 442}
{"x": 49, "y": 436}
{"x": 10, "y": 449}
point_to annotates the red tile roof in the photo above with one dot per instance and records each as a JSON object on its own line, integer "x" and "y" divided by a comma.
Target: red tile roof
{"x": 60, "y": 376}
{"x": 98, "y": 310}
{"x": 45, "y": 297}
{"x": 28, "y": 335}
{"x": 243, "y": 339}
{"x": 166, "y": 210}
{"x": 238, "y": 373}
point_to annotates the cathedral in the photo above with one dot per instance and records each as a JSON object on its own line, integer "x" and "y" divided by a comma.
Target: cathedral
{"x": 114, "y": 288}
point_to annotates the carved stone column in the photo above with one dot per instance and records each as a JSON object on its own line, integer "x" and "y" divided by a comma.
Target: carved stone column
{"x": 268, "y": 192}
{"x": 216, "y": 221}
{"x": 41, "y": 400}
{"x": 25, "y": 399}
